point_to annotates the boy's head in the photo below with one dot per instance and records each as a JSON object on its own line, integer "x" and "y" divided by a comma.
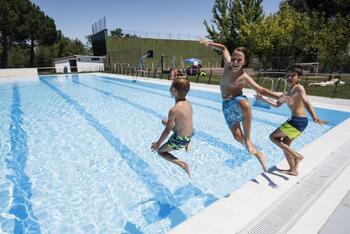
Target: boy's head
{"x": 180, "y": 87}
{"x": 297, "y": 69}
{"x": 295, "y": 74}
{"x": 239, "y": 58}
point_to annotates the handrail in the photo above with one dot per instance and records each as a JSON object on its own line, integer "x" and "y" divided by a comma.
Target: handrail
{"x": 272, "y": 82}
{"x": 285, "y": 83}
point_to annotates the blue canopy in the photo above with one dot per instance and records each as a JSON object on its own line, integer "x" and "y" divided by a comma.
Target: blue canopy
{"x": 193, "y": 61}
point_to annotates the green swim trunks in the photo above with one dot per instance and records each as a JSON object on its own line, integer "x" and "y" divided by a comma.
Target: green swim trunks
{"x": 294, "y": 126}
{"x": 178, "y": 142}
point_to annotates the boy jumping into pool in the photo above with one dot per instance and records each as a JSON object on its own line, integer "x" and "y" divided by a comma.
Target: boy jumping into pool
{"x": 235, "y": 105}
{"x": 180, "y": 121}
{"x": 284, "y": 135}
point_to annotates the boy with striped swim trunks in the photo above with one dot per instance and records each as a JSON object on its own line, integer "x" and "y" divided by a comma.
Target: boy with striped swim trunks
{"x": 180, "y": 122}
{"x": 284, "y": 135}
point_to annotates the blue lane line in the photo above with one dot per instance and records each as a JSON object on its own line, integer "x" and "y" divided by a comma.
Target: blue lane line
{"x": 122, "y": 83}
{"x": 168, "y": 202}
{"x": 21, "y": 207}
{"x": 228, "y": 148}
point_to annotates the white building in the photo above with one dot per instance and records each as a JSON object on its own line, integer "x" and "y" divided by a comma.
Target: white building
{"x": 79, "y": 63}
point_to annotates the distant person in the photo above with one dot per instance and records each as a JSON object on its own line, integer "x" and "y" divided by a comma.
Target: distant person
{"x": 235, "y": 106}
{"x": 180, "y": 121}
{"x": 173, "y": 73}
{"x": 284, "y": 135}
{"x": 176, "y": 73}
{"x": 332, "y": 81}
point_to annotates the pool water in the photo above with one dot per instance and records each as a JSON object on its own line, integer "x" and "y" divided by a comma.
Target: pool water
{"x": 75, "y": 156}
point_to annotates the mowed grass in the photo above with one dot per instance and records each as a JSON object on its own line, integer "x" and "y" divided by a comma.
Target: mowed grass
{"x": 339, "y": 91}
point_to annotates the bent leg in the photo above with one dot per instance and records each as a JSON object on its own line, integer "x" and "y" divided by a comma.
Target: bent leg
{"x": 247, "y": 125}
{"x": 239, "y": 136}
{"x": 163, "y": 151}
{"x": 293, "y": 158}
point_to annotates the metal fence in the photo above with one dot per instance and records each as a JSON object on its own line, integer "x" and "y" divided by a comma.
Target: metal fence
{"x": 162, "y": 35}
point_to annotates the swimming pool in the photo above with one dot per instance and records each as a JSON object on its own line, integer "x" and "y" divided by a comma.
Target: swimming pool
{"x": 75, "y": 155}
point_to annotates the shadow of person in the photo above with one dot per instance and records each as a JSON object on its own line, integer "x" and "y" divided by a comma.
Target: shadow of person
{"x": 272, "y": 171}
{"x": 271, "y": 184}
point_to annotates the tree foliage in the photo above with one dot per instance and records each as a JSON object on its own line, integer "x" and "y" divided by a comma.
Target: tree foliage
{"x": 329, "y": 8}
{"x": 29, "y": 37}
{"x": 229, "y": 16}
{"x": 118, "y": 32}
{"x": 310, "y": 30}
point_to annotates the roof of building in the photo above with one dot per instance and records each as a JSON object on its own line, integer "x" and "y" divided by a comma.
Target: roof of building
{"x": 77, "y": 55}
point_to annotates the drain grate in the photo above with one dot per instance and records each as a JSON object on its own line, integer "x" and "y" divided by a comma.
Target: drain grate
{"x": 284, "y": 213}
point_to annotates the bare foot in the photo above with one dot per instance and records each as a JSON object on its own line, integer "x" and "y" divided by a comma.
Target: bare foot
{"x": 297, "y": 160}
{"x": 250, "y": 147}
{"x": 281, "y": 170}
{"x": 188, "y": 147}
{"x": 289, "y": 172}
{"x": 186, "y": 168}
{"x": 261, "y": 158}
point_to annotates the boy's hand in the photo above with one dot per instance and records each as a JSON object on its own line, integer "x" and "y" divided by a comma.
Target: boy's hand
{"x": 285, "y": 99}
{"x": 154, "y": 147}
{"x": 258, "y": 96}
{"x": 204, "y": 42}
{"x": 319, "y": 121}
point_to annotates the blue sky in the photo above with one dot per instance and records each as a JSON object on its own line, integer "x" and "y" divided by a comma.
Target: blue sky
{"x": 75, "y": 17}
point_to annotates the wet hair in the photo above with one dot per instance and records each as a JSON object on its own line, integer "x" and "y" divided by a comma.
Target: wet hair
{"x": 297, "y": 69}
{"x": 245, "y": 51}
{"x": 182, "y": 86}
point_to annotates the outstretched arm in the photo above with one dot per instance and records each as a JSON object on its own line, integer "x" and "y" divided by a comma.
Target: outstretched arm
{"x": 308, "y": 105}
{"x": 168, "y": 127}
{"x": 221, "y": 47}
{"x": 261, "y": 90}
{"x": 271, "y": 103}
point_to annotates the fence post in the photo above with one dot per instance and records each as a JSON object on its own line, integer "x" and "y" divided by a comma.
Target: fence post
{"x": 197, "y": 78}
{"x": 335, "y": 89}
{"x": 210, "y": 74}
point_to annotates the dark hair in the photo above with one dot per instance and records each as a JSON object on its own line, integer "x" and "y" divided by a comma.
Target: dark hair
{"x": 246, "y": 53}
{"x": 298, "y": 69}
{"x": 182, "y": 86}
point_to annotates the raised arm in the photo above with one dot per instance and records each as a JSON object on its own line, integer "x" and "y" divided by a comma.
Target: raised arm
{"x": 218, "y": 46}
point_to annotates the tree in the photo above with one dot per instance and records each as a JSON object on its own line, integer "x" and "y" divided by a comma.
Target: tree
{"x": 10, "y": 21}
{"x": 118, "y": 32}
{"x": 41, "y": 30}
{"x": 229, "y": 16}
{"x": 332, "y": 42}
{"x": 330, "y": 8}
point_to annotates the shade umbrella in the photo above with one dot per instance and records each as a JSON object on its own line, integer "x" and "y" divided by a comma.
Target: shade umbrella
{"x": 193, "y": 61}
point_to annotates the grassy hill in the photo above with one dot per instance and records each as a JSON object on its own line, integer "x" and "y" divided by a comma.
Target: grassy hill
{"x": 129, "y": 50}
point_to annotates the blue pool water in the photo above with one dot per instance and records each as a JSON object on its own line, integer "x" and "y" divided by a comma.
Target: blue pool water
{"x": 75, "y": 157}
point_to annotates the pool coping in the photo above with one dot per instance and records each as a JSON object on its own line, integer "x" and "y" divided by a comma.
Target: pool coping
{"x": 233, "y": 213}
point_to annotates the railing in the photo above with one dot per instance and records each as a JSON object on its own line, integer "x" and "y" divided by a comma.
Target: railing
{"x": 213, "y": 76}
{"x": 162, "y": 35}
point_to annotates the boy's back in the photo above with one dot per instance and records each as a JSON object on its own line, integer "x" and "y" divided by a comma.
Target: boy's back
{"x": 183, "y": 118}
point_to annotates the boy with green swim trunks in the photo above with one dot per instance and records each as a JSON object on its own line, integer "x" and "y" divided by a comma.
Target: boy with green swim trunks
{"x": 180, "y": 121}
{"x": 284, "y": 135}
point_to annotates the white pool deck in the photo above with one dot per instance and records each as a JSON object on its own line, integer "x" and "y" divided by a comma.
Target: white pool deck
{"x": 316, "y": 201}
{"x": 313, "y": 202}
